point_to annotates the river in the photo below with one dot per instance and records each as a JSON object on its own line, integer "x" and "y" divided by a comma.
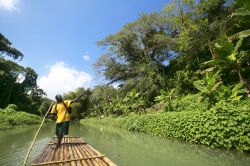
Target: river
{"x": 123, "y": 147}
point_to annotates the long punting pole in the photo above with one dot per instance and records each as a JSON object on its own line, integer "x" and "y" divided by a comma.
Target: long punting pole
{"x": 32, "y": 144}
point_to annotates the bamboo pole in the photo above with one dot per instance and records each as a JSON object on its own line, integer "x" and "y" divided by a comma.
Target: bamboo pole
{"x": 69, "y": 143}
{"x": 68, "y": 160}
{"x": 32, "y": 144}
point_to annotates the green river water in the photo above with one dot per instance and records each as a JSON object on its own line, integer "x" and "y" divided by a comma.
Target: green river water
{"x": 122, "y": 147}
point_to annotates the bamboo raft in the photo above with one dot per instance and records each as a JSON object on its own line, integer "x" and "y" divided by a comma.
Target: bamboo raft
{"x": 74, "y": 151}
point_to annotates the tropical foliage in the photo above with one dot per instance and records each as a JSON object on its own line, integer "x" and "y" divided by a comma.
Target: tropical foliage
{"x": 191, "y": 60}
{"x": 225, "y": 125}
{"x": 17, "y": 83}
{"x": 190, "y": 48}
{"x": 11, "y": 117}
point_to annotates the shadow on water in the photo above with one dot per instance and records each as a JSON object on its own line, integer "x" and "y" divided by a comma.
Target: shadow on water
{"x": 123, "y": 147}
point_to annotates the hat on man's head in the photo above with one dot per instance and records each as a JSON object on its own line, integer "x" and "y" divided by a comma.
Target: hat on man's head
{"x": 58, "y": 97}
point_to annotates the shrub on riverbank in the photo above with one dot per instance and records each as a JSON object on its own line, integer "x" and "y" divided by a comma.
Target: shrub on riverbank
{"x": 12, "y": 117}
{"x": 224, "y": 125}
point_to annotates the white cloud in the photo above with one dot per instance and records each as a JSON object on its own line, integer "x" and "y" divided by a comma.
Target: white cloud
{"x": 86, "y": 56}
{"x": 62, "y": 79}
{"x": 9, "y": 5}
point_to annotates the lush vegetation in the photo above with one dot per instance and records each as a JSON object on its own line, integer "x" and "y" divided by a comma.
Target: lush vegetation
{"x": 225, "y": 125}
{"x": 11, "y": 117}
{"x": 18, "y": 90}
{"x": 17, "y": 83}
{"x": 182, "y": 44}
{"x": 182, "y": 73}
{"x": 192, "y": 52}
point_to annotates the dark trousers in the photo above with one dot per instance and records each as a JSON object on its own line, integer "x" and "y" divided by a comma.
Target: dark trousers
{"x": 62, "y": 128}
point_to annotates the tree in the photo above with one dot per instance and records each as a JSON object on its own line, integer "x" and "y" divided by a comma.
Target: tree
{"x": 232, "y": 53}
{"x": 80, "y": 108}
{"x": 8, "y": 80}
{"x": 171, "y": 50}
{"x": 197, "y": 25}
{"x": 230, "y": 56}
{"x": 137, "y": 54}
{"x": 5, "y": 48}
{"x": 139, "y": 48}
{"x": 17, "y": 84}
{"x": 43, "y": 108}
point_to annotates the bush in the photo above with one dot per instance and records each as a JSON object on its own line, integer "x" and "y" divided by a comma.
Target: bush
{"x": 132, "y": 102}
{"x": 12, "y": 107}
{"x": 12, "y": 117}
{"x": 190, "y": 103}
{"x": 224, "y": 125}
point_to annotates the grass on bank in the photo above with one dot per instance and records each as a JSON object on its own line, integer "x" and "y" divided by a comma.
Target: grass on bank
{"x": 225, "y": 125}
{"x": 12, "y": 117}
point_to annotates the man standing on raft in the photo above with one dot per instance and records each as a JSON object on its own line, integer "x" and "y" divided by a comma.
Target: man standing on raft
{"x": 62, "y": 111}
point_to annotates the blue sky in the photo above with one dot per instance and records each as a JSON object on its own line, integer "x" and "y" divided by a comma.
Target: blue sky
{"x": 58, "y": 37}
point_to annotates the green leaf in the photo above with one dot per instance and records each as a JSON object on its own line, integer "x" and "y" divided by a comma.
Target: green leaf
{"x": 241, "y": 34}
{"x": 234, "y": 94}
{"x": 208, "y": 62}
{"x": 232, "y": 57}
{"x": 163, "y": 92}
{"x": 242, "y": 12}
{"x": 217, "y": 45}
{"x": 237, "y": 86}
{"x": 239, "y": 43}
{"x": 199, "y": 86}
{"x": 209, "y": 69}
{"x": 237, "y": 98}
{"x": 216, "y": 86}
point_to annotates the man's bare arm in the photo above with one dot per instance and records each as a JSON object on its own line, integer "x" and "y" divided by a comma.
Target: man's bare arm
{"x": 76, "y": 99}
{"x": 51, "y": 115}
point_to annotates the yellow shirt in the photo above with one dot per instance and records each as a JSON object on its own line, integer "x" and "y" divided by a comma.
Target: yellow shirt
{"x": 62, "y": 116}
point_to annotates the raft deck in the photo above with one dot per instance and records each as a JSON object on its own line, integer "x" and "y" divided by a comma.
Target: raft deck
{"x": 73, "y": 151}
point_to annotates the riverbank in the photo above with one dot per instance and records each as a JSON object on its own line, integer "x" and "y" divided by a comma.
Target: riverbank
{"x": 11, "y": 117}
{"x": 223, "y": 126}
